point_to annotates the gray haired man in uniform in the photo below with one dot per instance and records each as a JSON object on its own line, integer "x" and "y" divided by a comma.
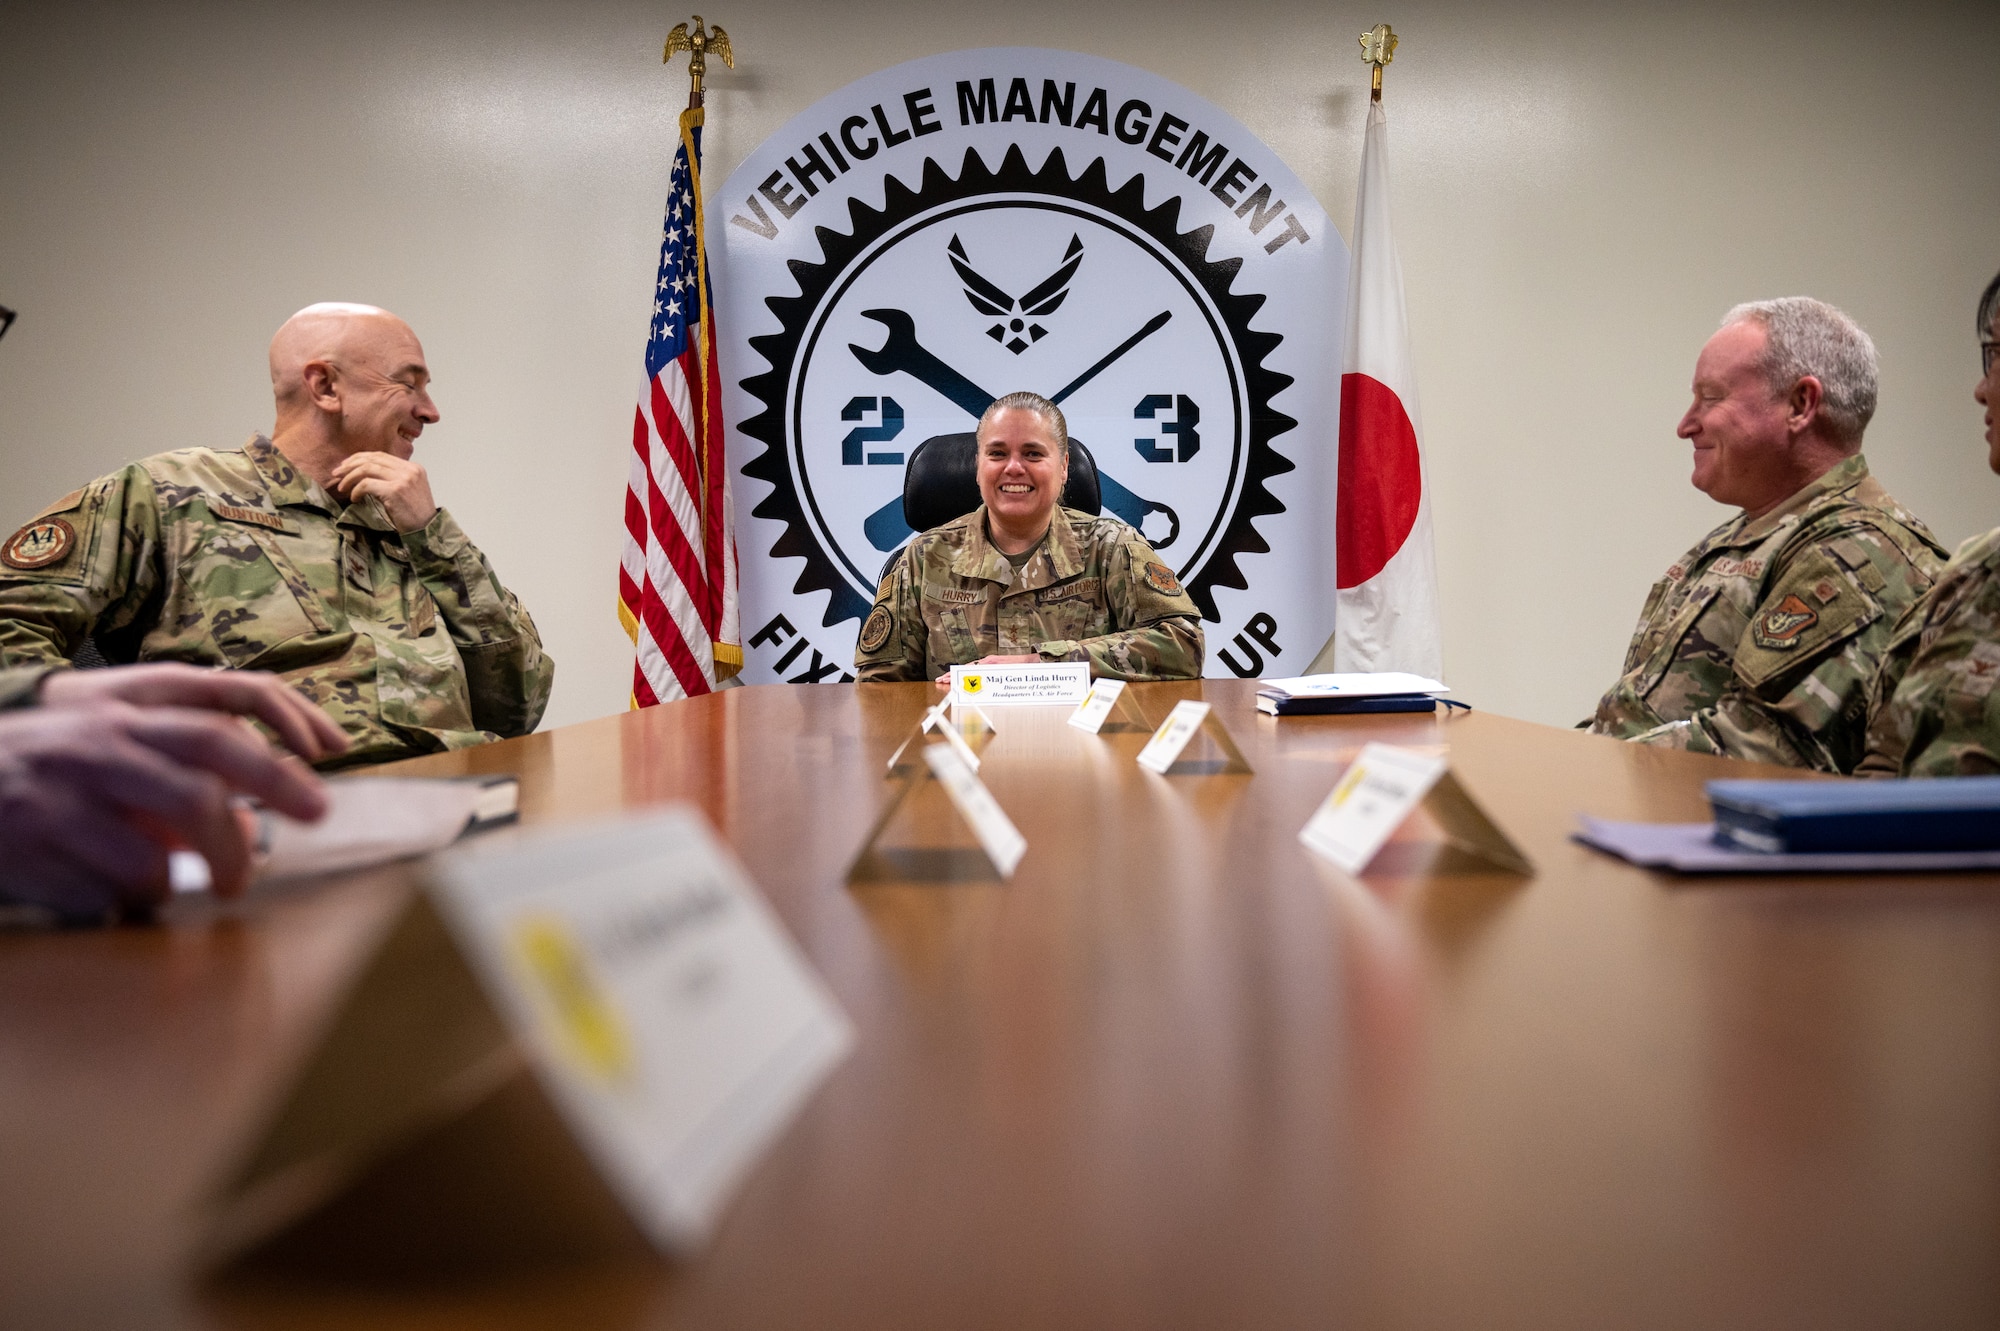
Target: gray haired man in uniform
{"x": 1761, "y": 642}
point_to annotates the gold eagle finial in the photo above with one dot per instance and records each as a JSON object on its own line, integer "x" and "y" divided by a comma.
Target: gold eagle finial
{"x": 700, "y": 43}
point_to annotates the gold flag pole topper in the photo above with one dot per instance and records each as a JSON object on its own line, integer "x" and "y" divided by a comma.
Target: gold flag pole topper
{"x": 699, "y": 43}
{"x": 1378, "y": 48}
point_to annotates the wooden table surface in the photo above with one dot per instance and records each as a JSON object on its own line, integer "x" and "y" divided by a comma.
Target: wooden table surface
{"x": 1177, "y": 1073}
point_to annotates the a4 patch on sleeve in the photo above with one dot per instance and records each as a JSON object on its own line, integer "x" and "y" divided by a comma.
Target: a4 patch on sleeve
{"x": 42, "y": 542}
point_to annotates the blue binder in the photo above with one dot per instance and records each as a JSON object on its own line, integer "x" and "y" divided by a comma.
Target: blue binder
{"x": 1806, "y": 817}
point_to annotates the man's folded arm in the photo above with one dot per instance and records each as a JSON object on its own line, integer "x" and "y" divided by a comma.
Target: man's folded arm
{"x": 507, "y": 672}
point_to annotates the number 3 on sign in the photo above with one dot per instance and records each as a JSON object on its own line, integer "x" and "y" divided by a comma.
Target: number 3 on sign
{"x": 1186, "y": 416}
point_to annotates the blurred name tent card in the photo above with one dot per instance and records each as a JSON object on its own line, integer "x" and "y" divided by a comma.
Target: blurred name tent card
{"x": 1320, "y": 695}
{"x": 1187, "y": 720}
{"x": 1106, "y": 696}
{"x": 1052, "y": 684}
{"x": 574, "y": 1043}
{"x": 1380, "y": 790}
{"x": 954, "y": 770}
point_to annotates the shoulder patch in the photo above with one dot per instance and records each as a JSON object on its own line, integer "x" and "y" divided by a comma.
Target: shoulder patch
{"x": 1779, "y": 627}
{"x": 1161, "y": 578}
{"x": 876, "y": 631}
{"x": 39, "y": 544}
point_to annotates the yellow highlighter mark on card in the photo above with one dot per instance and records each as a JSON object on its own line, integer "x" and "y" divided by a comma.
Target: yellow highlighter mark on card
{"x": 548, "y": 952}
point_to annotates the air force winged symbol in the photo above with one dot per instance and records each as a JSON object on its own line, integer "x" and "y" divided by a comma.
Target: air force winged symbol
{"x": 1044, "y": 300}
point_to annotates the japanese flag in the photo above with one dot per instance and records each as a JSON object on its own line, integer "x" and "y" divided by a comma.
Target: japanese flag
{"x": 1385, "y": 615}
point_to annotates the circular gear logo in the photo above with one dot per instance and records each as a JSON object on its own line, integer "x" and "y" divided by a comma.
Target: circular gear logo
{"x": 961, "y": 227}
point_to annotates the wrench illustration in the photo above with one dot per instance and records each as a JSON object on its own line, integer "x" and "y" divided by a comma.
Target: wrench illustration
{"x": 901, "y": 351}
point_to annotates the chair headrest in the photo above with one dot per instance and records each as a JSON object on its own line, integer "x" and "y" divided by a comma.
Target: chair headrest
{"x": 941, "y": 481}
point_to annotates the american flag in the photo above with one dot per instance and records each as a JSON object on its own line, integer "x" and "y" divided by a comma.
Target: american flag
{"x": 677, "y": 581}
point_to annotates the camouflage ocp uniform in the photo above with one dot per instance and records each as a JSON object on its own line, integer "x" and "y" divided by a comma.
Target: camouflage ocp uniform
{"x": 408, "y": 640}
{"x": 21, "y": 686}
{"x": 1092, "y": 591}
{"x": 1760, "y": 642}
{"x": 1933, "y": 710}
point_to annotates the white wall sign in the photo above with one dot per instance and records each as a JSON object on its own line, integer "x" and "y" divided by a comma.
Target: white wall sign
{"x": 969, "y": 224}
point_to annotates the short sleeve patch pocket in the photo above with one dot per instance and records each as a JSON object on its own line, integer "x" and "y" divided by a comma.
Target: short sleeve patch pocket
{"x": 1821, "y": 608}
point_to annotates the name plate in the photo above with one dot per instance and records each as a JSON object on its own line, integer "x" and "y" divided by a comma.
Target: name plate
{"x": 597, "y": 1031}
{"x": 1381, "y": 789}
{"x": 998, "y": 837}
{"x": 1097, "y": 704}
{"x": 667, "y": 1008}
{"x": 1056, "y": 684}
{"x": 1181, "y": 725}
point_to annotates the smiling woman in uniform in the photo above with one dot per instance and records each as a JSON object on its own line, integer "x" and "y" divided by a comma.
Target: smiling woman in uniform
{"x": 1021, "y": 579}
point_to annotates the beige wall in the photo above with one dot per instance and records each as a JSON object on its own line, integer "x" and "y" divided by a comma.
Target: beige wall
{"x": 1580, "y": 194}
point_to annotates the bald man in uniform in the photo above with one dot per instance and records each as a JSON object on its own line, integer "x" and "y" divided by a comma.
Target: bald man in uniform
{"x": 317, "y": 554}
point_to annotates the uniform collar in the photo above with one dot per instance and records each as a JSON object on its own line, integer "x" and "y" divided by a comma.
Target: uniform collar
{"x": 1845, "y": 476}
{"x": 283, "y": 482}
{"x": 287, "y": 485}
{"x": 1059, "y": 556}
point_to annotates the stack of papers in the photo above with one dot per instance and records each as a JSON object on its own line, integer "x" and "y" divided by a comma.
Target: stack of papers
{"x": 1380, "y": 691}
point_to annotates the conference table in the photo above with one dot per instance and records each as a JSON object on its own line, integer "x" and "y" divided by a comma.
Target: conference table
{"x": 1175, "y": 1072}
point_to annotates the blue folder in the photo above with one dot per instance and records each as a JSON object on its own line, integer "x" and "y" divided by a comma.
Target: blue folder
{"x": 1807, "y": 817}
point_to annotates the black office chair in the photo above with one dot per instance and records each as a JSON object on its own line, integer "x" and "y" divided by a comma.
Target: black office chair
{"x": 941, "y": 482}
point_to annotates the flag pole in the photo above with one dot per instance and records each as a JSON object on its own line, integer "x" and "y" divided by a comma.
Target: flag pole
{"x": 1378, "y": 48}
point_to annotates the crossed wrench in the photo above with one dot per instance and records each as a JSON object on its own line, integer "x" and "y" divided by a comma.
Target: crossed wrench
{"x": 902, "y": 351}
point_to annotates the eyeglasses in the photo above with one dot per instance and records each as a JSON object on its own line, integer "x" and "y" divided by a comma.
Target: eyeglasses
{"x": 1988, "y": 351}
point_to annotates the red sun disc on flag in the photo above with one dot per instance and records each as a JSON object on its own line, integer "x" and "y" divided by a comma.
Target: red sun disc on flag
{"x": 1381, "y": 480}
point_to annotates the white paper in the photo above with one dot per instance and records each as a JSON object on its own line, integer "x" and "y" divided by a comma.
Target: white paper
{"x": 369, "y": 820}
{"x": 1002, "y": 841}
{"x": 1173, "y": 736}
{"x": 663, "y": 1005}
{"x": 1097, "y": 704}
{"x": 1359, "y": 685}
{"x": 1052, "y": 684}
{"x": 1368, "y": 803}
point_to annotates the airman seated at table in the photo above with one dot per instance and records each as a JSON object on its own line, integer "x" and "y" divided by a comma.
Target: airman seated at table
{"x": 1760, "y": 643}
{"x": 102, "y": 772}
{"x": 1021, "y": 579}
{"x": 317, "y": 554}
{"x": 1933, "y": 710}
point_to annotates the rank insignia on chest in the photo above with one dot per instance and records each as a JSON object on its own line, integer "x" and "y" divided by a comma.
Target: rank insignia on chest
{"x": 39, "y": 544}
{"x": 1780, "y": 626}
{"x": 1161, "y": 579}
